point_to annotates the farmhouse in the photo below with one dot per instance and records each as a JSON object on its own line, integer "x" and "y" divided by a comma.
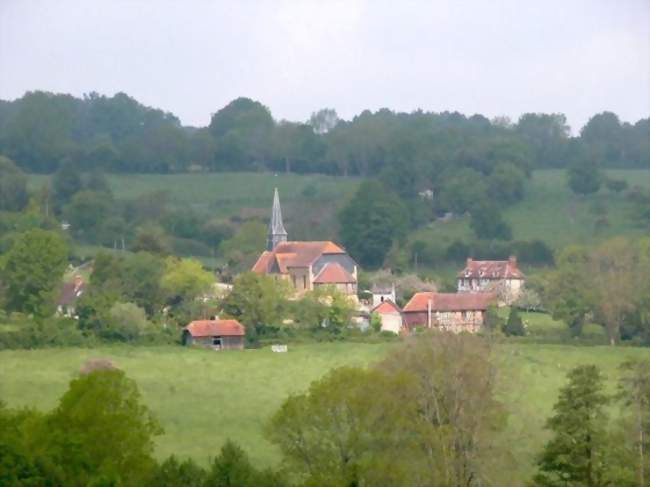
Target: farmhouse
{"x": 217, "y": 334}
{"x": 502, "y": 277}
{"x": 307, "y": 265}
{"x": 70, "y": 293}
{"x": 454, "y": 312}
{"x": 390, "y": 315}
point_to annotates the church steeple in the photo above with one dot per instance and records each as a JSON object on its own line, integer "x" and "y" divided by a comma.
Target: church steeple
{"x": 277, "y": 233}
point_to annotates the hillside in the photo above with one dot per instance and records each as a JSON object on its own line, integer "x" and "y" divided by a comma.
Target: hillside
{"x": 549, "y": 211}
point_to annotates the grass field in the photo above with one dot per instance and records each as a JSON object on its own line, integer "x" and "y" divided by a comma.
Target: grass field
{"x": 203, "y": 397}
{"x": 550, "y": 212}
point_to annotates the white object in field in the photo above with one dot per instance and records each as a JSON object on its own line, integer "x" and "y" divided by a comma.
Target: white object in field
{"x": 279, "y": 348}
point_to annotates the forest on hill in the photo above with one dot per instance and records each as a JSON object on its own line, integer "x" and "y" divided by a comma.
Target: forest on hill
{"x": 41, "y": 131}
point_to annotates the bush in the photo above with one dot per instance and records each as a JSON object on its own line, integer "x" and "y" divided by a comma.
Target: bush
{"x": 514, "y": 326}
{"x": 616, "y": 185}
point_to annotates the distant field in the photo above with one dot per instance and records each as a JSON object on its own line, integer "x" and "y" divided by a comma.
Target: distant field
{"x": 552, "y": 213}
{"x": 203, "y": 397}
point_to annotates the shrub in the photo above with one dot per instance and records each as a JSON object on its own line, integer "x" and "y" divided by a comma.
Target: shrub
{"x": 514, "y": 326}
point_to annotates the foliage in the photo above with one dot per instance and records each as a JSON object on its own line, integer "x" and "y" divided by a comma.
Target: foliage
{"x": 13, "y": 186}
{"x": 488, "y": 223}
{"x": 409, "y": 421}
{"x": 151, "y": 238}
{"x": 185, "y": 279}
{"x": 634, "y": 397}
{"x": 577, "y": 453}
{"x": 126, "y": 322}
{"x": 584, "y": 176}
{"x": 371, "y": 222}
{"x": 256, "y": 300}
{"x": 106, "y": 405}
{"x": 232, "y": 468}
{"x": 173, "y": 473}
{"x": 514, "y": 326}
{"x": 32, "y": 271}
{"x": 244, "y": 247}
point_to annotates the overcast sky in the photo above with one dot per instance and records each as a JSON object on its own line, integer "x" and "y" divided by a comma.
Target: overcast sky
{"x": 192, "y": 57}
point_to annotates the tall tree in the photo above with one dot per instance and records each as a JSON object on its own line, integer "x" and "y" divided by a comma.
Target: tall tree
{"x": 13, "y": 186}
{"x": 634, "y": 394}
{"x": 371, "y": 222}
{"x": 577, "y": 454}
{"x": 33, "y": 269}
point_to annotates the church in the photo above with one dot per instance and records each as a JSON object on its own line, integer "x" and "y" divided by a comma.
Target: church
{"x": 306, "y": 265}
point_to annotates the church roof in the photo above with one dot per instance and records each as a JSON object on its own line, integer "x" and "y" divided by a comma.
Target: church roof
{"x": 294, "y": 254}
{"x": 333, "y": 273}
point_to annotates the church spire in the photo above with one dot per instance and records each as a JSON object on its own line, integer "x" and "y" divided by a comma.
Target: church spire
{"x": 277, "y": 233}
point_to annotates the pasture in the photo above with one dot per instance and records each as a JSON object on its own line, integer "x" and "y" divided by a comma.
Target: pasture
{"x": 203, "y": 397}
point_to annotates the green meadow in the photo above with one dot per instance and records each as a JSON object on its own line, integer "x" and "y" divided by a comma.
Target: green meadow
{"x": 202, "y": 397}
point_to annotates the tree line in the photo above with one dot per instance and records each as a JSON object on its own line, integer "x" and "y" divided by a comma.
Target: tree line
{"x": 42, "y": 131}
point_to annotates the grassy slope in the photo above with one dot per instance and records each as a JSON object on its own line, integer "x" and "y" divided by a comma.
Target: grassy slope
{"x": 204, "y": 397}
{"x": 550, "y": 212}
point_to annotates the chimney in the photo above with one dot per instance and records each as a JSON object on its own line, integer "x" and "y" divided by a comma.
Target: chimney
{"x": 513, "y": 261}
{"x": 429, "y": 313}
{"x": 468, "y": 262}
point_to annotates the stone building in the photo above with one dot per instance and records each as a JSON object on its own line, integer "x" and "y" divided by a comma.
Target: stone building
{"x": 502, "y": 277}
{"x": 308, "y": 264}
{"x": 456, "y": 312}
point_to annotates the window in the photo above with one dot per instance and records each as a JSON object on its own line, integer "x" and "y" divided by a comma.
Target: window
{"x": 216, "y": 342}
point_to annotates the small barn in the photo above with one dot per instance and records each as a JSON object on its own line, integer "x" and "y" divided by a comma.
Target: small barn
{"x": 216, "y": 334}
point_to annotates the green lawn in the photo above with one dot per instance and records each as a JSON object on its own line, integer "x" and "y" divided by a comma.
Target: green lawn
{"x": 203, "y": 397}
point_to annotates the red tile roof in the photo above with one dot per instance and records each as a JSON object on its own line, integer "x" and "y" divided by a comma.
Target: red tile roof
{"x": 294, "y": 254}
{"x": 71, "y": 291}
{"x": 207, "y": 328}
{"x": 333, "y": 273}
{"x": 449, "y": 301}
{"x": 385, "y": 307}
{"x": 491, "y": 269}
{"x": 263, "y": 262}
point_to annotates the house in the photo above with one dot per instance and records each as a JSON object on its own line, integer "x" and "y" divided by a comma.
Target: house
{"x": 70, "y": 293}
{"x": 502, "y": 277}
{"x": 307, "y": 265}
{"x": 217, "y": 334}
{"x": 454, "y": 312}
{"x": 381, "y": 293}
{"x": 390, "y": 315}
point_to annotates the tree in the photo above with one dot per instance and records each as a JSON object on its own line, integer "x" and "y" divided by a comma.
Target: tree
{"x": 323, "y": 120}
{"x": 232, "y": 468}
{"x": 185, "y": 279}
{"x": 172, "y": 473}
{"x": 488, "y": 223}
{"x": 584, "y": 176}
{"x": 101, "y": 429}
{"x": 506, "y": 183}
{"x": 244, "y": 247}
{"x": 86, "y": 211}
{"x": 256, "y": 300}
{"x": 13, "y": 186}
{"x": 151, "y": 238}
{"x": 66, "y": 183}
{"x": 514, "y": 326}
{"x": 458, "y": 417}
{"x": 141, "y": 281}
{"x": 125, "y": 322}
{"x": 577, "y": 452}
{"x": 634, "y": 396}
{"x": 371, "y": 222}
{"x": 339, "y": 432}
{"x": 32, "y": 271}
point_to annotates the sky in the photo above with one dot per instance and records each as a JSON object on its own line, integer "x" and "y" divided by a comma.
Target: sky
{"x": 192, "y": 57}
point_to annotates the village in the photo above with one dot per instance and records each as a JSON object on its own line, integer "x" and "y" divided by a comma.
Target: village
{"x": 326, "y": 266}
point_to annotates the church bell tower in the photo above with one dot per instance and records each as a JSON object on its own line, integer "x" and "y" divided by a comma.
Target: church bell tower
{"x": 277, "y": 233}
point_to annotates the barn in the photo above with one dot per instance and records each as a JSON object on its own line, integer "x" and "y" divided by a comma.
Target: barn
{"x": 216, "y": 334}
